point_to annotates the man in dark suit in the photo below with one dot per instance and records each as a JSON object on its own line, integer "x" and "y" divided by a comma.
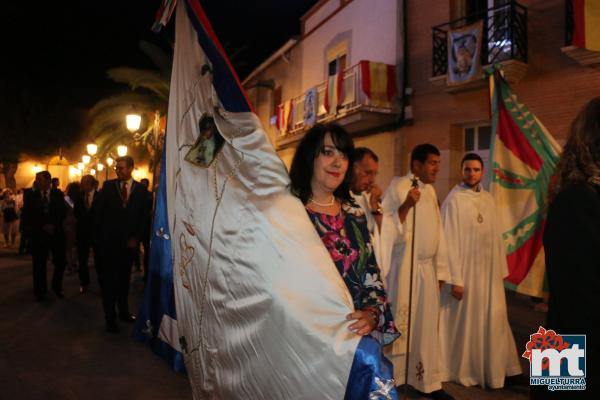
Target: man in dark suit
{"x": 45, "y": 210}
{"x": 86, "y": 206}
{"x": 120, "y": 223}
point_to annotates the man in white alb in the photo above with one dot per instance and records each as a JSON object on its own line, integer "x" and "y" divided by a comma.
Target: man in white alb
{"x": 367, "y": 193}
{"x": 430, "y": 270}
{"x": 478, "y": 347}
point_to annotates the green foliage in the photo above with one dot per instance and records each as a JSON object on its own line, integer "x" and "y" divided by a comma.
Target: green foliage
{"x": 149, "y": 91}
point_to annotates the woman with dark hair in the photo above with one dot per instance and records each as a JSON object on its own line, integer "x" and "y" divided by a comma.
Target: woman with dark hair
{"x": 572, "y": 240}
{"x": 321, "y": 177}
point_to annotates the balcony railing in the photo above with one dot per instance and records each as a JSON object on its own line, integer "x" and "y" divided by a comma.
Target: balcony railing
{"x": 504, "y": 36}
{"x": 353, "y": 100}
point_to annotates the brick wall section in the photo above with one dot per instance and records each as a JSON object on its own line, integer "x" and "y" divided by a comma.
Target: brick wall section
{"x": 554, "y": 88}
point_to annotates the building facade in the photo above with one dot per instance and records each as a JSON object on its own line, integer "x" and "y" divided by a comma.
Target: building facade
{"x": 529, "y": 38}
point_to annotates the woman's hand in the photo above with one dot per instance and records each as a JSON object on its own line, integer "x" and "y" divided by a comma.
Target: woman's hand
{"x": 366, "y": 321}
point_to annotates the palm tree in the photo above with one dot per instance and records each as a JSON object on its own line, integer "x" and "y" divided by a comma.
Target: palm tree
{"x": 149, "y": 92}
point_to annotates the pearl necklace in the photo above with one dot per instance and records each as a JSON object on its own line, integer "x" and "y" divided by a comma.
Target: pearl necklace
{"x": 323, "y": 204}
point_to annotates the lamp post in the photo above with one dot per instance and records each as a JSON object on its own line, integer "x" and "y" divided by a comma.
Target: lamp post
{"x": 133, "y": 122}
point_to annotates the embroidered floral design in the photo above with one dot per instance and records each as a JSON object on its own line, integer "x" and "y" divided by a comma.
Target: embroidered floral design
{"x": 545, "y": 339}
{"x": 420, "y": 371}
{"x": 384, "y": 389}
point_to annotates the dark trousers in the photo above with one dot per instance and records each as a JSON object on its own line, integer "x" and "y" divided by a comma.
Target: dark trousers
{"x": 115, "y": 277}
{"x": 24, "y": 246}
{"x": 84, "y": 245}
{"x": 42, "y": 245}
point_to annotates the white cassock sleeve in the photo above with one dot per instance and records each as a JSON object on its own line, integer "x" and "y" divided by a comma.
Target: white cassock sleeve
{"x": 451, "y": 224}
{"x": 392, "y": 230}
{"x": 440, "y": 260}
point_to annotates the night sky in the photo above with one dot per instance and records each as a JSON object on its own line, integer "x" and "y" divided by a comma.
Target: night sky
{"x": 56, "y": 54}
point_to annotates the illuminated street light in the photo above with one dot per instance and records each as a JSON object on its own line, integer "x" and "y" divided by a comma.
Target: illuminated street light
{"x": 86, "y": 159}
{"x": 92, "y": 171}
{"x": 80, "y": 166}
{"x": 100, "y": 167}
{"x": 109, "y": 161}
{"x": 133, "y": 122}
{"x": 122, "y": 150}
{"x": 92, "y": 149}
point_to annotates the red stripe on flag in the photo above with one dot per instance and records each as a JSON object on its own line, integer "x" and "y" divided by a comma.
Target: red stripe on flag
{"x": 365, "y": 73}
{"x": 199, "y": 11}
{"x": 510, "y": 134}
{"x": 579, "y": 23}
{"x": 391, "y": 82}
{"x": 326, "y": 100}
{"x": 340, "y": 87}
{"x": 521, "y": 260}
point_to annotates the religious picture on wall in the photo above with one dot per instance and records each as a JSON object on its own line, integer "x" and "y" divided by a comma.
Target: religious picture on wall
{"x": 207, "y": 145}
{"x": 464, "y": 54}
{"x": 310, "y": 107}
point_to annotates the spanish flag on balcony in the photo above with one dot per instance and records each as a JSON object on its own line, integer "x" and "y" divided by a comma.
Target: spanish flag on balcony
{"x": 335, "y": 91}
{"x": 523, "y": 158}
{"x": 586, "y": 19}
{"x": 284, "y": 116}
{"x": 378, "y": 82}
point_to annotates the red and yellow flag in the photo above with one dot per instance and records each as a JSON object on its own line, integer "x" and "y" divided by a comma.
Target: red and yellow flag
{"x": 378, "y": 82}
{"x": 586, "y": 18}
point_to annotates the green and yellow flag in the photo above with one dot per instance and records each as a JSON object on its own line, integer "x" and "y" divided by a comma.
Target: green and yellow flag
{"x": 523, "y": 159}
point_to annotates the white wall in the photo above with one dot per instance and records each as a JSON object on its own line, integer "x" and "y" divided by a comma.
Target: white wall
{"x": 371, "y": 28}
{"x": 323, "y": 12}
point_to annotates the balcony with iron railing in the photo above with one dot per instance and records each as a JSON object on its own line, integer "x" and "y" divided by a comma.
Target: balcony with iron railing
{"x": 356, "y": 110}
{"x": 504, "y": 41}
{"x": 583, "y": 56}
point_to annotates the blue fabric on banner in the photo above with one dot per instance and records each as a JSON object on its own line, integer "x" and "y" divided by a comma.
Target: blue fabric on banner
{"x": 371, "y": 375}
{"x": 159, "y": 297}
{"x": 224, "y": 82}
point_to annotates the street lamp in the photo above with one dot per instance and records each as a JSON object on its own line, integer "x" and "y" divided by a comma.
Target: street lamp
{"x": 92, "y": 172}
{"x": 100, "y": 166}
{"x": 122, "y": 150}
{"x": 86, "y": 159}
{"x": 133, "y": 121}
{"x": 92, "y": 149}
{"x": 80, "y": 166}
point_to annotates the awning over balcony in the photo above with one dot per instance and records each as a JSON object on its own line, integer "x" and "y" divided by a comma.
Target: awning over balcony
{"x": 360, "y": 98}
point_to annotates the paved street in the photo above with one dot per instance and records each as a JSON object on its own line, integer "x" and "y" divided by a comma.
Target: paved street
{"x": 58, "y": 349}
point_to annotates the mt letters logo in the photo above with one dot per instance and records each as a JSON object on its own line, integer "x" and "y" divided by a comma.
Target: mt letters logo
{"x": 556, "y": 361}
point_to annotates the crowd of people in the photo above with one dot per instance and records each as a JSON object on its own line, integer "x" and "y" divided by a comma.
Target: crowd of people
{"x": 404, "y": 258}
{"x": 110, "y": 225}
{"x": 426, "y": 279}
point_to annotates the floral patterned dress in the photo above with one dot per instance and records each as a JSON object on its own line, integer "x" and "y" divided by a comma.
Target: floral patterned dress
{"x": 347, "y": 239}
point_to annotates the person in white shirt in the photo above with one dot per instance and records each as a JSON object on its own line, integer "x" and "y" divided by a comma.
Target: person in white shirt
{"x": 478, "y": 347}
{"x": 430, "y": 270}
{"x": 366, "y": 193}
